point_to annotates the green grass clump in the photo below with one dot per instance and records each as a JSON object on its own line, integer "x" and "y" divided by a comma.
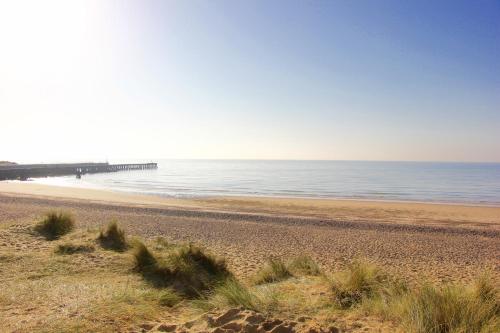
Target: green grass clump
{"x": 304, "y": 265}
{"x": 362, "y": 280}
{"x": 451, "y": 309}
{"x": 275, "y": 270}
{"x": 69, "y": 248}
{"x": 55, "y": 225}
{"x": 113, "y": 238}
{"x": 187, "y": 269}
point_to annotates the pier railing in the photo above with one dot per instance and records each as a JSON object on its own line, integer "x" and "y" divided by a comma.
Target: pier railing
{"x": 25, "y": 171}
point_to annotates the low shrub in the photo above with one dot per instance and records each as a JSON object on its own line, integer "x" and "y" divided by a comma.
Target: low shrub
{"x": 304, "y": 265}
{"x": 74, "y": 248}
{"x": 55, "y": 225}
{"x": 275, "y": 270}
{"x": 113, "y": 238}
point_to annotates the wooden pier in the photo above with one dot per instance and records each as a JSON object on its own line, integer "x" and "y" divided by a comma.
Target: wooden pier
{"x": 26, "y": 171}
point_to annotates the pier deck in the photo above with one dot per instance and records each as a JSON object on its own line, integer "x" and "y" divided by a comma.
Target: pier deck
{"x": 26, "y": 171}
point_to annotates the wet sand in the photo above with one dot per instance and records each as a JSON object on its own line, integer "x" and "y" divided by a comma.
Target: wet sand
{"x": 417, "y": 240}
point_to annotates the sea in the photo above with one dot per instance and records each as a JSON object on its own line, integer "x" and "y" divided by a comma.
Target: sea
{"x": 465, "y": 183}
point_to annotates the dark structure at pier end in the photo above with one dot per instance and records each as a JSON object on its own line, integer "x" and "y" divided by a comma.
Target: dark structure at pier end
{"x": 26, "y": 171}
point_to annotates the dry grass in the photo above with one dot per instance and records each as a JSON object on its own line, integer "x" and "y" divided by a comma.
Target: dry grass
{"x": 275, "y": 270}
{"x": 161, "y": 244}
{"x": 304, "y": 265}
{"x": 69, "y": 248}
{"x": 362, "y": 280}
{"x": 428, "y": 308}
{"x": 234, "y": 294}
{"x": 169, "y": 298}
{"x": 46, "y": 292}
{"x": 451, "y": 309}
{"x": 98, "y": 291}
{"x": 229, "y": 293}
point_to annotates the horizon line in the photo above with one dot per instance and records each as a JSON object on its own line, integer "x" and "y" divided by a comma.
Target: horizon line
{"x": 268, "y": 159}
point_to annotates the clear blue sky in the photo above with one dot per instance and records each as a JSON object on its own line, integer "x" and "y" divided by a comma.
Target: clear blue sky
{"x": 374, "y": 80}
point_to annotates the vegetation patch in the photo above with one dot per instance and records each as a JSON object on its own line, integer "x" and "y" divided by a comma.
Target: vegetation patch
{"x": 69, "y": 248}
{"x": 232, "y": 293}
{"x": 55, "y": 225}
{"x": 362, "y": 280}
{"x": 169, "y": 298}
{"x": 113, "y": 238}
{"x": 187, "y": 269}
{"x": 304, "y": 265}
{"x": 145, "y": 261}
{"x": 426, "y": 308}
{"x": 161, "y": 244}
{"x": 430, "y": 309}
{"x": 275, "y": 270}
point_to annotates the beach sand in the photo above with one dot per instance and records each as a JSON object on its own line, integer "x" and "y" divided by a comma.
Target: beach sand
{"x": 439, "y": 242}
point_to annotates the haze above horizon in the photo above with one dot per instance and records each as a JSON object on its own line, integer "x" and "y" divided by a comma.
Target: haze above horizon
{"x": 315, "y": 80}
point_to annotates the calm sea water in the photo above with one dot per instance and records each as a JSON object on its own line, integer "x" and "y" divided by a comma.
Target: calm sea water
{"x": 406, "y": 181}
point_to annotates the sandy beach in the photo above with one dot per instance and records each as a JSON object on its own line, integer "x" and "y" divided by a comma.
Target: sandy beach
{"x": 440, "y": 242}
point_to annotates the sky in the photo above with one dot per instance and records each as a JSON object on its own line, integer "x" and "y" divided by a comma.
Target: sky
{"x": 99, "y": 80}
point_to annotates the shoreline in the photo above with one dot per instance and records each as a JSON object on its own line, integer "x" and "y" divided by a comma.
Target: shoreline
{"x": 365, "y": 200}
{"x": 339, "y": 210}
{"x": 73, "y": 192}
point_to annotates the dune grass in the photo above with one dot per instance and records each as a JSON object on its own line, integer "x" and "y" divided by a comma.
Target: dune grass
{"x": 55, "y": 224}
{"x": 187, "y": 269}
{"x": 275, "y": 270}
{"x": 113, "y": 238}
{"x": 450, "y": 309}
{"x": 362, "y": 280}
{"x": 233, "y": 293}
{"x": 229, "y": 293}
{"x": 424, "y": 308}
{"x": 144, "y": 259}
{"x": 304, "y": 265}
